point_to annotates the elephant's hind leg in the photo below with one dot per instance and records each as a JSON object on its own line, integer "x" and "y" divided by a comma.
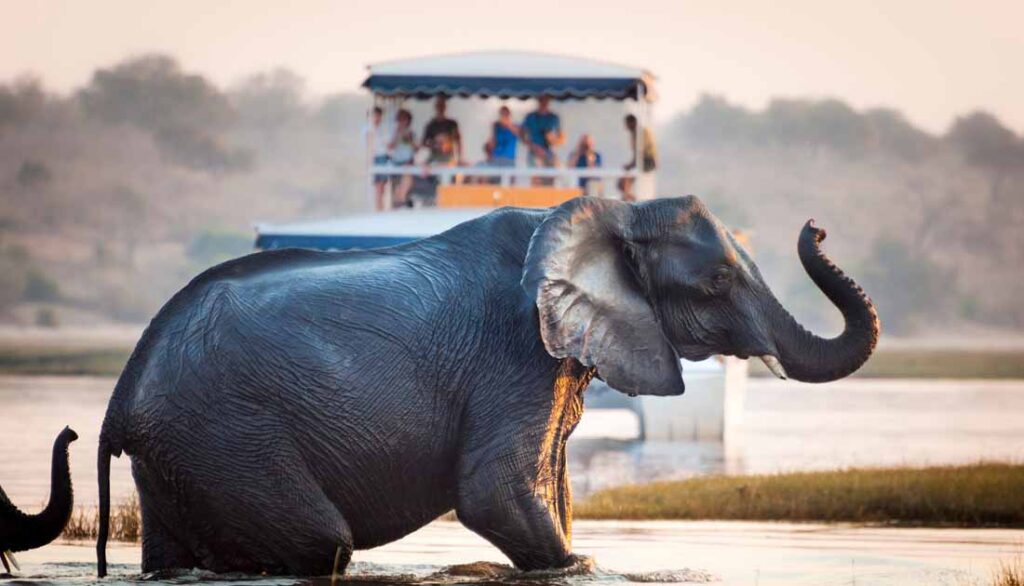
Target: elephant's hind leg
{"x": 311, "y": 535}
{"x": 160, "y": 549}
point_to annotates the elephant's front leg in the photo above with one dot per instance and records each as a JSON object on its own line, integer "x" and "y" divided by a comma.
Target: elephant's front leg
{"x": 514, "y": 485}
{"x": 527, "y": 517}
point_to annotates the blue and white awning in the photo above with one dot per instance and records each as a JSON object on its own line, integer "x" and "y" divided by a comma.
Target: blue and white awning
{"x": 509, "y": 74}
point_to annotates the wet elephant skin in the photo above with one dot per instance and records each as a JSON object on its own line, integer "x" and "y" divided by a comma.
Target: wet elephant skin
{"x": 292, "y": 404}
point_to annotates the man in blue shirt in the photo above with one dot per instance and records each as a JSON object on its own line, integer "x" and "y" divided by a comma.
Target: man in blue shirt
{"x": 542, "y": 131}
{"x": 504, "y": 137}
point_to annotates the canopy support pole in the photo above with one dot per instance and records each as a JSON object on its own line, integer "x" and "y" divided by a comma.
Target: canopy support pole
{"x": 638, "y": 143}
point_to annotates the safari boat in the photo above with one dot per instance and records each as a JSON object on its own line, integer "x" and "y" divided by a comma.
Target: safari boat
{"x": 716, "y": 387}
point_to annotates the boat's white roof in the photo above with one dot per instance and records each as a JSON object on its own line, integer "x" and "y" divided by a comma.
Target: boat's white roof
{"x": 400, "y": 223}
{"x": 507, "y": 64}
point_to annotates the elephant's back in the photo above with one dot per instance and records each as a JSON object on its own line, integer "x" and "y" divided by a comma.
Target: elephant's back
{"x": 314, "y": 364}
{"x": 262, "y": 319}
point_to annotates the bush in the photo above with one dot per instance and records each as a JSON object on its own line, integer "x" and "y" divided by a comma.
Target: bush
{"x": 14, "y": 264}
{"x": 907, "y": 287}
{"x": 33, "y": 174}
{"x": 46, "y": 317}
{"x": 21, "y": 281}
{"x": 39, "y": 287}
{"x": 216, "y": 246}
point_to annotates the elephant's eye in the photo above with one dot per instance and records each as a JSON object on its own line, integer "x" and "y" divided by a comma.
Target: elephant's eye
{"x": 720, "y": 281}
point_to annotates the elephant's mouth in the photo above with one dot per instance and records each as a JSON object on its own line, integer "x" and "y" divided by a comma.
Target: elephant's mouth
{"x": 770, "y": 361}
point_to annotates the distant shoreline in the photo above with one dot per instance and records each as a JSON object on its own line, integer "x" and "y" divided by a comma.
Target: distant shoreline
{"x": 104, "y": 356}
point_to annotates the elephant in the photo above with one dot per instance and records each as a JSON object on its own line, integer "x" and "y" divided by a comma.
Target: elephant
{"x": 21, "y": 532}
{"x": 290, "y": 406}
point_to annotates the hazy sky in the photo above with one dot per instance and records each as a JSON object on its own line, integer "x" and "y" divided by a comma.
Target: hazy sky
{"x": 930, "y": 58}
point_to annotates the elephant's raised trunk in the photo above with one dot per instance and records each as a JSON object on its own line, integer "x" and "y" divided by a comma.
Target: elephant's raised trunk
{"x": 20, "y": 532}
{"x": 810, "y": 358}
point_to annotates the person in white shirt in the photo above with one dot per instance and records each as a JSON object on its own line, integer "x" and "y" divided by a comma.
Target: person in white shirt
{"x": 402, "y": 150}
{"x": 377, "y": 138}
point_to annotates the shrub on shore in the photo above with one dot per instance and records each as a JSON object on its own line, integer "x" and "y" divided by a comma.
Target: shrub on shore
{"x": 1010, "y": 573}
{"x": 125, "y": 522}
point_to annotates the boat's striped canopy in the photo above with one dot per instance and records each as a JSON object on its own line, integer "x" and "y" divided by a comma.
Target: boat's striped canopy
{"x": 509, "y": 74}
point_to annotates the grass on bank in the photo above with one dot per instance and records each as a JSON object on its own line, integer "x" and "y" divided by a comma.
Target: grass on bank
{"x": 933, "y": 363}
{"x": 929, "y": 363}
{"x": 979, "y": 495}
{"x": 63, "y": 361}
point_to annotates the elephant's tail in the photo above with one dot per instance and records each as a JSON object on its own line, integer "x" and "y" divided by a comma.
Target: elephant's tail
{"x": 103, "y": 475}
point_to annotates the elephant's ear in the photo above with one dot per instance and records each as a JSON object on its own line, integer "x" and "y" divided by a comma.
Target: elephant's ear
{"x": 591, "y": 307}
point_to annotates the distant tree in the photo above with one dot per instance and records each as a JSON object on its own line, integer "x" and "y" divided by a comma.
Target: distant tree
{"x": 128, "y": 210}
{"x": 889, "y": 131}
{"x": 986, "y": 143}
{"x": 909, "y": 288}
{"x": 13, "y": 269}
{"x": 269, "y": 101}
{"x": 713, "y": 121}
{"x": 21, "y": 100}
{"x": 185, "y": 113}
{"x": 829, "y": 123}
{"x": 39, "y": 287}
{"x": 992, "y": 147}
{"x": 33, "y": 174}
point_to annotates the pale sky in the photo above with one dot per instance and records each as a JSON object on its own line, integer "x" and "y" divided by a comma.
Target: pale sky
{"x": 929, "y": 58}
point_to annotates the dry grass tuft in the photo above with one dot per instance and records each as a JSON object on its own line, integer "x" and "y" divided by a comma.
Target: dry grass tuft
{"x": 978, "y": 495}
{"x": 125, "y": 522}
{"x": 1010, "y": 573}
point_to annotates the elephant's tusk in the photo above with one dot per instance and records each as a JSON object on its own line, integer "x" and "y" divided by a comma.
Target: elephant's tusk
{"x": 9, "y": 557}
{"x": 774, "y": 365}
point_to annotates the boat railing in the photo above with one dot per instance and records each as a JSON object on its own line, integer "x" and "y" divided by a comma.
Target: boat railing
{"x": 563, "y": 176}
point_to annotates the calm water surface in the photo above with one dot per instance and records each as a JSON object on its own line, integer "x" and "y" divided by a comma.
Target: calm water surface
{"x": 624, "y": 553}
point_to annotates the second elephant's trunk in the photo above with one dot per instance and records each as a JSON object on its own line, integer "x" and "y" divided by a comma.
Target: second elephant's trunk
{"x": 20, "y": 532}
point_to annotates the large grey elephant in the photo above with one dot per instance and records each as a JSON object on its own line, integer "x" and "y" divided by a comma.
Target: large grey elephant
{"x": 291, "y": 405}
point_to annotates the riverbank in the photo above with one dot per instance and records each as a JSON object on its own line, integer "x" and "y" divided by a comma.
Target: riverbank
{"x": 979, "y": 495}
{"x": 57, "y": 358}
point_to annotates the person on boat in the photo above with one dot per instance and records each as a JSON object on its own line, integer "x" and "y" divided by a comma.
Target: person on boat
{"x": 500, "y": 148}
{"x": 376, "y": 136}
{"x": 541, "y": 132}
{"x": 504, "y": 140}
{"x": 442, "y": 124}
{"x": 649, "y": 158}
{"x": 402, "y": 152}
{"x": 423, "y": 190}
{"x": 586, "y": 156}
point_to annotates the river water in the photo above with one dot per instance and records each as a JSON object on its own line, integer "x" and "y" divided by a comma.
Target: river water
{"x": 786, "y": 426}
